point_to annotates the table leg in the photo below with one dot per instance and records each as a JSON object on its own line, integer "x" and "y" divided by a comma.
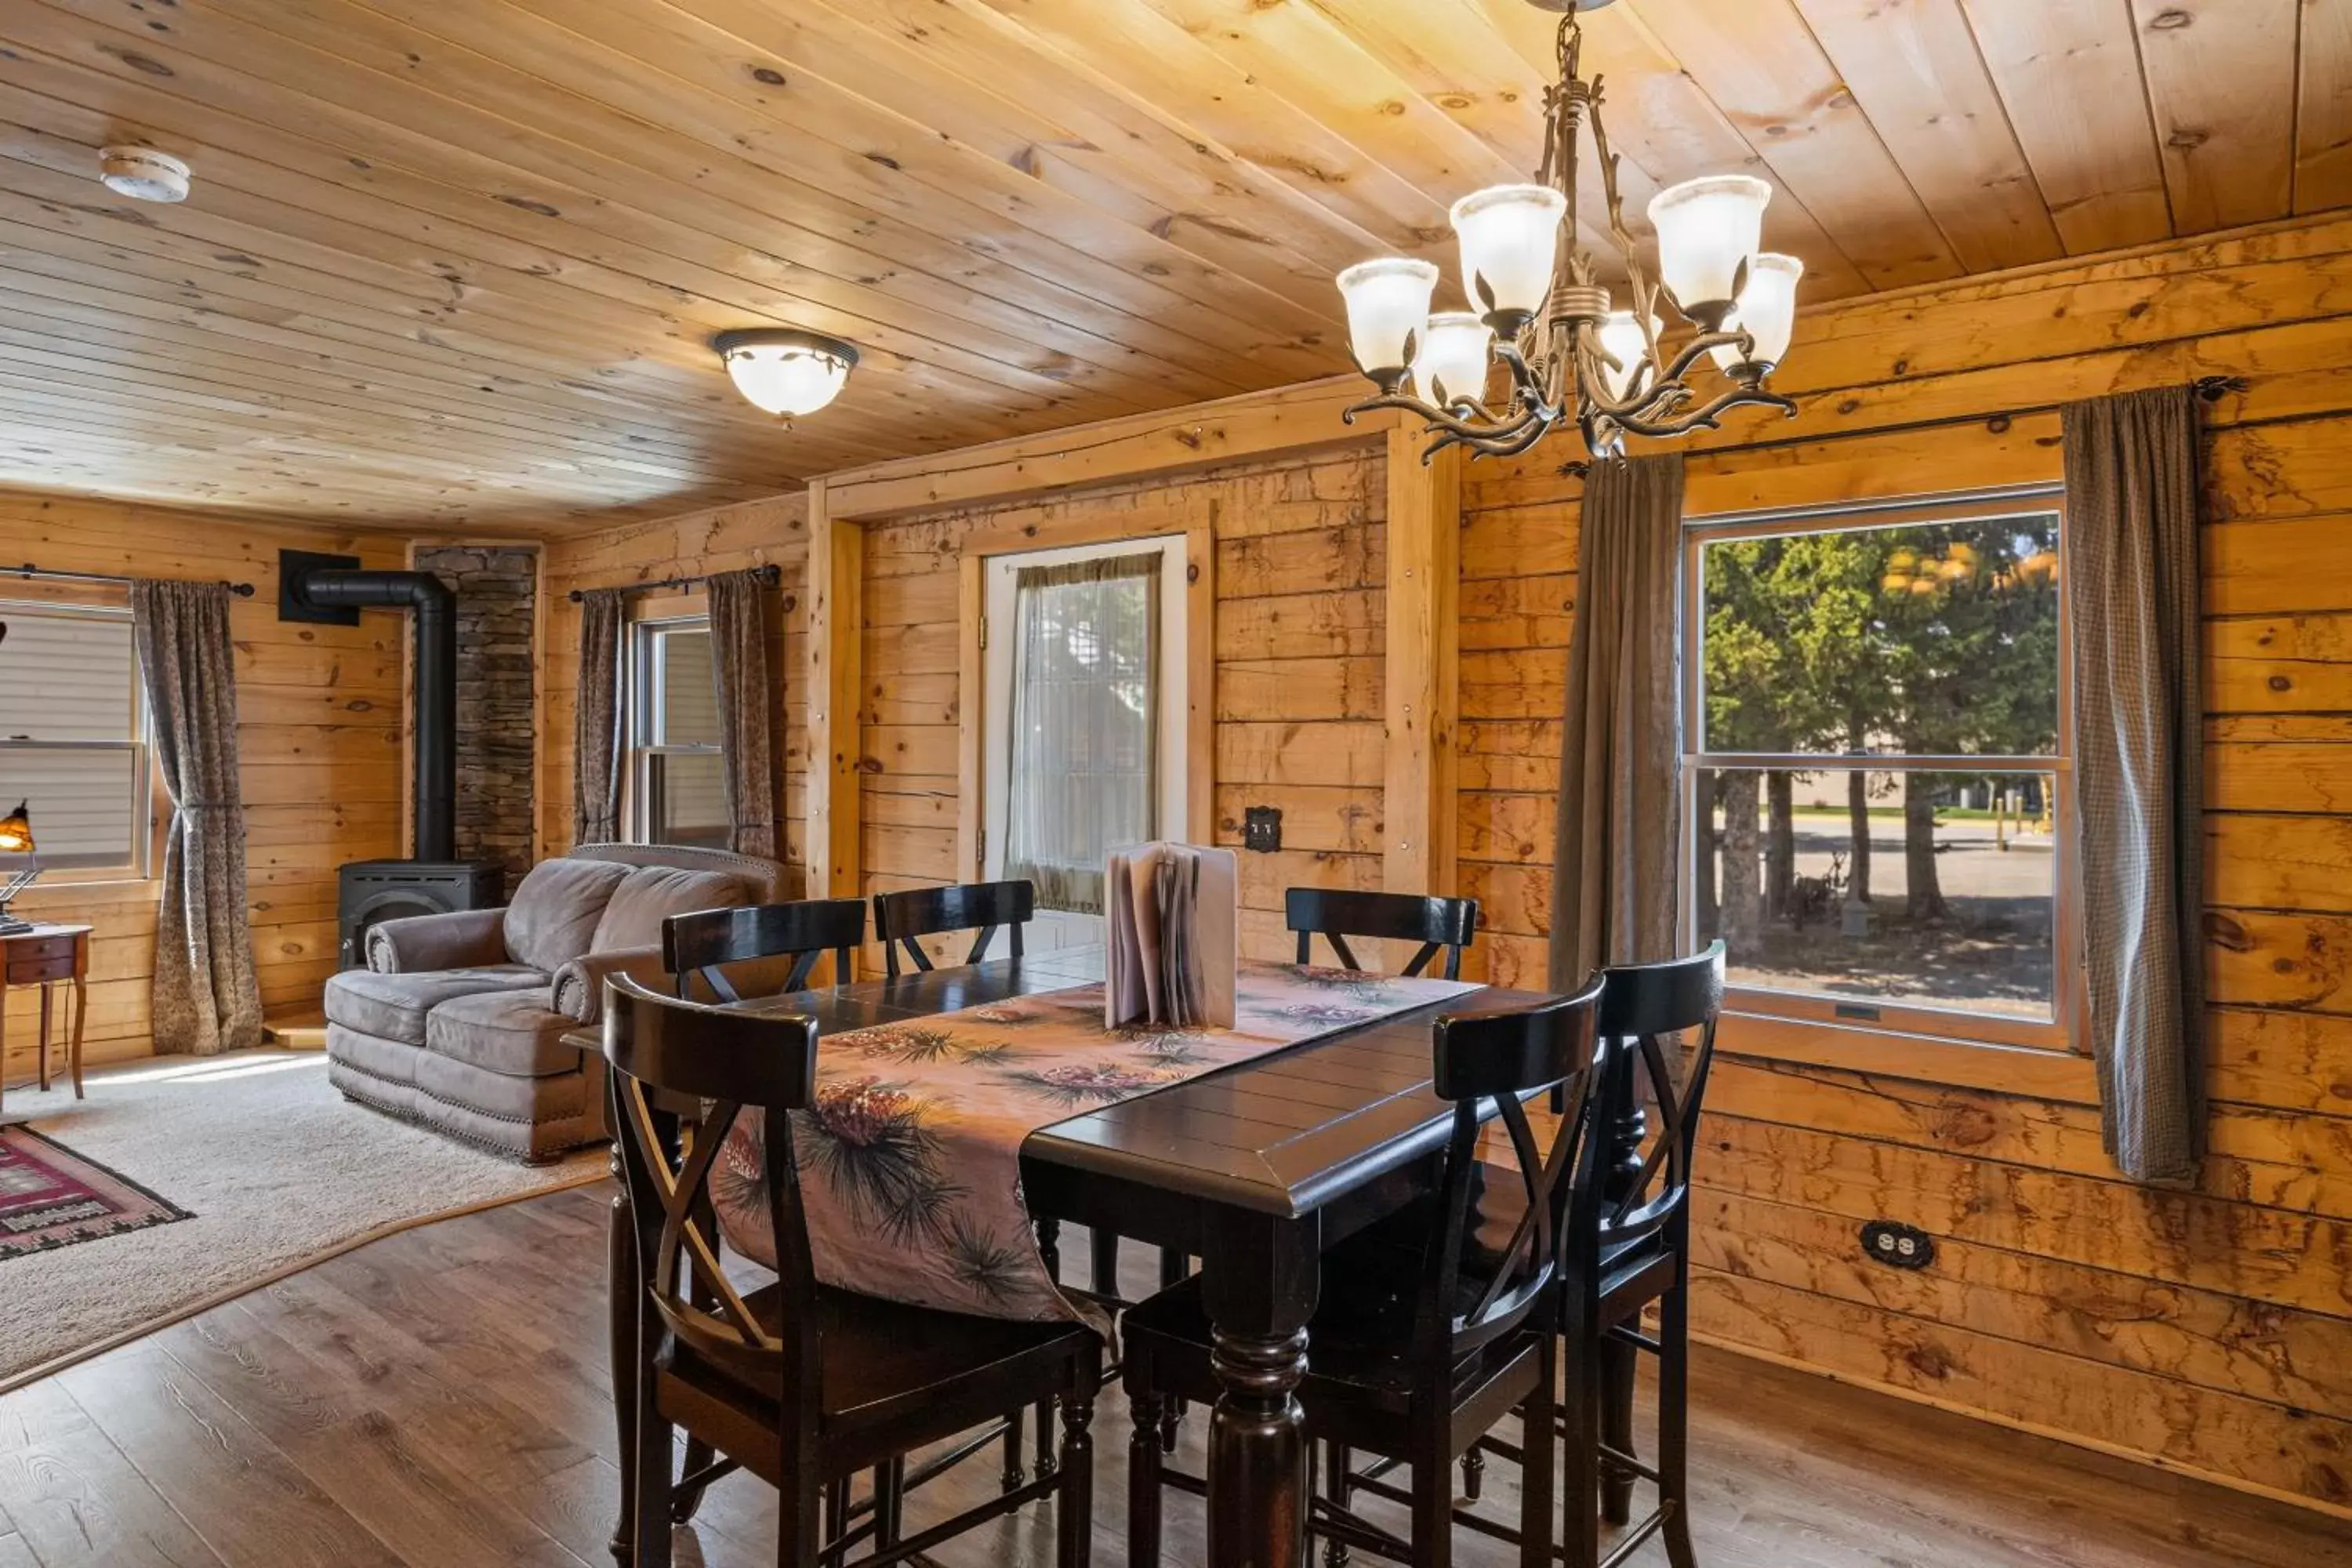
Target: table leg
{"x": 44, "y": 1048}
{"x": 1260, "y": 1277}
{"x": 625, "y": 1304}
{"x": 81, "y": 1016}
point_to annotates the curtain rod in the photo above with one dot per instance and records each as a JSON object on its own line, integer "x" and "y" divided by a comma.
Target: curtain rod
{"x": 768, "y": 575}
{"x": 29, "y": 571}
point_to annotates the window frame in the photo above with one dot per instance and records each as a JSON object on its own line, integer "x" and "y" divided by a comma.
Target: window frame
{"x": 641, "y": 680}
{"x": 2063, "y": 1032}
{"x": 139, "y": 865}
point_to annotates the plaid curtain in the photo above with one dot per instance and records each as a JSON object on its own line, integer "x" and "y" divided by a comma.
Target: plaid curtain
{"x": 747, "y": 742}
{"x": 206, "y": 996}
{"x": 2132, "y": 597}
{"x": 1613, "y": 875}
{"x": 596, "y": 721}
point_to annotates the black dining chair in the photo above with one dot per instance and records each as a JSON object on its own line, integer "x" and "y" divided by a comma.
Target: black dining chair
{"x": 900, "y": 917}
{"x": 1627, "y": 1243}
{"x": 1440, "y": 925}
{"x": 700, "y": 945}
{"x": 1422, "y": 1341}
{"x": 803, "y": 1384}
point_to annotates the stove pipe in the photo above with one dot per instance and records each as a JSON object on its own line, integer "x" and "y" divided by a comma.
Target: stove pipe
{"x": 435, "y": 609}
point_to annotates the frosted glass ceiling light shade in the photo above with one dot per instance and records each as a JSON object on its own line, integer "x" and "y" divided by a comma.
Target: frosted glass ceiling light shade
{"x": 785, "y": 371}
{"x": 1766, "y": 312}
{"x": 1706, "y": 229}
{"x": 1511, "y": 244}
{"x": 1620, "y": 335}
{"x": 1452, "y": 363}
{"x": 1387, "y": 304}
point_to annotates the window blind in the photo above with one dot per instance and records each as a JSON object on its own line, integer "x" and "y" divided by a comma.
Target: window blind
{"x": 72, "y": 733}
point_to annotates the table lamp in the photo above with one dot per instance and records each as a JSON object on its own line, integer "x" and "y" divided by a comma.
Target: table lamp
{"x": 17, "y": 866}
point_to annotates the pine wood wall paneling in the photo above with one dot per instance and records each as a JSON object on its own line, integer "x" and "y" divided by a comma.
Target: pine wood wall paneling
{"x": 2204, "y": 1328}
{"x": 320, "y": 751}
{"x": 1422, "y": 677}
{"x": 1292, "y": 727}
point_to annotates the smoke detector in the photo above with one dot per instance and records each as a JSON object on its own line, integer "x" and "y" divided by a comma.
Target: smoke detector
{"x": 143, "y": 175}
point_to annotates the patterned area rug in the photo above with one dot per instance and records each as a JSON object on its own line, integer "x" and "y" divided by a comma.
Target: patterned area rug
{"x": 52, "y": 1197}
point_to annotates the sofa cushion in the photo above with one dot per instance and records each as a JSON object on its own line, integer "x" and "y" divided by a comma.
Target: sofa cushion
{"x": 395, "y": 1006}
{"x": 651, "y": 894}
{"x": 554, "y": 912}
{"x": 513, "y": 1032}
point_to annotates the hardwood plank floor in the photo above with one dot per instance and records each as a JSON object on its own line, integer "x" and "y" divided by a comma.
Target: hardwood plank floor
{"x": 439, "y": 1400}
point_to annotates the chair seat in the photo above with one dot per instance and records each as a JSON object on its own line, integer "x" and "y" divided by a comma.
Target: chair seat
{"x": 1626, "y": 1264}
{"x": 897, "y": 1377}
{"x": 1360, "y": 1344}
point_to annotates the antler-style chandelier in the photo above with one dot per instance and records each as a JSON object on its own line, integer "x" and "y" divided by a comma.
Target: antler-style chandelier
{"x": 1545, "y": 316}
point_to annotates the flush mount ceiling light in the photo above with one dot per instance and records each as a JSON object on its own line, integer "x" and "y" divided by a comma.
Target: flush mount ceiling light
{"x": 142, "y": 173}
{"x": 1539, "y": 311}
{"x": 785, "y": 370}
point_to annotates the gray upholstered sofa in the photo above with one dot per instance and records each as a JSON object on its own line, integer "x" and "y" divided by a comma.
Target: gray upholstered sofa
{"x": 458, "y": 1022}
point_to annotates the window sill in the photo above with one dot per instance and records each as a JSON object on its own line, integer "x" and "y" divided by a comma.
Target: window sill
{"x": 85, "y": 879}
{"x": 2021, "y": 1070}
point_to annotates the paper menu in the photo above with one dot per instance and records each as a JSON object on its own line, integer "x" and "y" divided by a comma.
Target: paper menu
{"x": 1171, "y": 913}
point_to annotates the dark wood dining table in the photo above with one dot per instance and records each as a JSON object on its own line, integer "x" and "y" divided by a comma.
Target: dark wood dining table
{"x": 1253, "y": 1169}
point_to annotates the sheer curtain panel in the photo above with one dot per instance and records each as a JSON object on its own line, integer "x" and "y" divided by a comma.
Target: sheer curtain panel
{"x": 1085, "y": 724}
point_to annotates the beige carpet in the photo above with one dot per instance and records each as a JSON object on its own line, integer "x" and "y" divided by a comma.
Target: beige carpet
{"x": 278, "y": 1168}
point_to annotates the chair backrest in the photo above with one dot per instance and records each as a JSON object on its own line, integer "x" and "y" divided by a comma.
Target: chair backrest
{"x": 1489, "y": 1064}
{"x": 699, "y": 944}
{"x": 1643, "y": 1006}
{"x": 680, "y": 1073}
{"x": 900, "y": 917}
{"x": 1447, "y": 925}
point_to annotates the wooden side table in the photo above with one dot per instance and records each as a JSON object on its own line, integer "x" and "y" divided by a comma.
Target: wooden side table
{"x": 46, "y": 956}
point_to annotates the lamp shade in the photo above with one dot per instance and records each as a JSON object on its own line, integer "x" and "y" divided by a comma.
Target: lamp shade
{"x": 785, "y": 370}
{"x": 1510, "y": 243}
{"x": 1706, "y": 229}
{"x": 16, "y": 831}
{"x": 1454, "y": 354}
{"x": 1766, "y": 310}
{"x": 1388, "y": 303}
{"x": 1620, "y": 335}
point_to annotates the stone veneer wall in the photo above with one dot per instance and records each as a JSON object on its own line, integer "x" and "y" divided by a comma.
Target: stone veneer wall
{"x": 497, "y": 591}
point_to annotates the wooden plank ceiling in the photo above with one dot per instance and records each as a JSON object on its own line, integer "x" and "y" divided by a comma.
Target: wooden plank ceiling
{"x": 459, "y": 262}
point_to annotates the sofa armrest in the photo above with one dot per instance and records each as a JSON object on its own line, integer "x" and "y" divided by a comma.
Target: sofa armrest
{"x": 469, "y": 939}
{"x": 580, "y": 984}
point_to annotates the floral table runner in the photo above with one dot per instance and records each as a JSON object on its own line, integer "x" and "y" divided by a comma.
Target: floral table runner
{"x": 910, "y": 1158}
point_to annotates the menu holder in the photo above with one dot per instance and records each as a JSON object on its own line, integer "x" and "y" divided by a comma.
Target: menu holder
{"x": 1171, "y": 911}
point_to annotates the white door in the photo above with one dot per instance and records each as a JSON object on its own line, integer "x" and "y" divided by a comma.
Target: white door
{"x": 1053, "y": 656}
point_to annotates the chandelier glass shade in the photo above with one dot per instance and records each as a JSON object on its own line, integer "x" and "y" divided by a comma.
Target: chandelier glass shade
{"x": 1540, "y": 313}
{"x": 785, "y": 371}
